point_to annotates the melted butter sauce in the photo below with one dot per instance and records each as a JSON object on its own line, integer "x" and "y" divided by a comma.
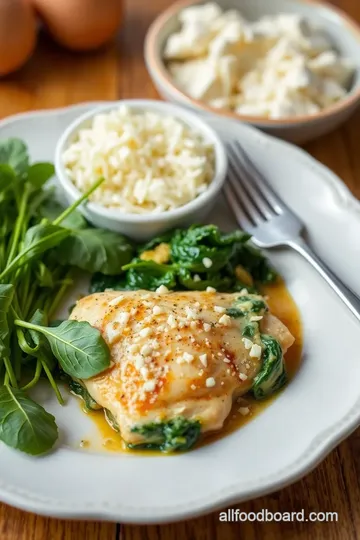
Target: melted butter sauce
{"x": 283, "y": 306}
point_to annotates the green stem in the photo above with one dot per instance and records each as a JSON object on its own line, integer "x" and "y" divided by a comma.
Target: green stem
{"x": 17, "y": 261}
{"x": 77, "y": 203}
{"x": 6, "y": 379}
{"x": 18, "y": 226}
{"x": 67, "y": 282}
{"x": 36, "y": 377}
{"x": 52, "y": 381}
{"x": 10, "y": 372}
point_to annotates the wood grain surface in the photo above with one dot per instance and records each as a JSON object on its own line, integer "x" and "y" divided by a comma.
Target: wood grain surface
{"x": 54, "y": 78}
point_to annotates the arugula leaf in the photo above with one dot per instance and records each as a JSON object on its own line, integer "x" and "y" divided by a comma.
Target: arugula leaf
{"x": 24, "y": 424}
{"x": 149, "y": 275}
{"x": 40, "y": 173}
{"x": 96, "y": 250}
{"x": 6, "y": 296}
{"x": 50, "y": 209}
{"x": 13, "y": 152}
{"x": 79, "y": 347}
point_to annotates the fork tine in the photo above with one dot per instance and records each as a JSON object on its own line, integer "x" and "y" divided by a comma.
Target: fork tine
{"x": 256, "y": 182}
{"x": 241, "y": 194}
{"x": 237, "y": 207}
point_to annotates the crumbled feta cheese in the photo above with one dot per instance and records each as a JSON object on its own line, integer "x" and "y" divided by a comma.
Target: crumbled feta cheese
{"x": 188, "y": 357}
{"x": 139, "y": 362}
{"x": 210, "y": 382}
{"x": 157, "y": 310}
{"x": 219, "y": 309}
{"x": 196, "y": 277}
{"x": 162, "y": 289}
{"x": 146, "y": 350}
{"x": 278, "y": 66}
{"x": 243, "y": 377}
{"x": 171, "y": 321}
{"x": 244, "y": 411}
{"x": 149, "y": 386}
{"x": 207, "y": 327}
{"x": 225, "y": 320}
{"x": 247, "y": 343}
{"x": 144, "y": 332}
{"x": 203, "y": 359}
{"x": 255, "y": 351}
{"x": 151, "y": 162}
{"x": 256, "y": 318}
{"x": 207, "y": 262}
{"x": 193, "y": 387}
{"x": 210, "y": 289}
{"x": 123, "y": 318}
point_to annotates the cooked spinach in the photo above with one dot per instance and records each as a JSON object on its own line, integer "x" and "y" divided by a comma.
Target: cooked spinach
{"x": 176, "y": 435}
{"x": 186, "y": 270}
{"x": 272, "y": 375}
{"x": 79, "y": 390}
{"x": 149, "y": 275}
{"x": 110, "y": 418}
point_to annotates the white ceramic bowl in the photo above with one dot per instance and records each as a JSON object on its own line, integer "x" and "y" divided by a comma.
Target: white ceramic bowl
{"x": 344, "y": 32}
{"x": 144, "y": 226}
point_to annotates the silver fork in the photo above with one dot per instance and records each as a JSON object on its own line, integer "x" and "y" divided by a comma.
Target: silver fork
{"x": 261, "y": 212}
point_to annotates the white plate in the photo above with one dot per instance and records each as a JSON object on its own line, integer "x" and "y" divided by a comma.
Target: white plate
{"x": 319, "y": 408}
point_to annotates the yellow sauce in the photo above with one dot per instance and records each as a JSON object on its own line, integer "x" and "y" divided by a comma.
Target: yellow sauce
{"x": 283, "y": 306}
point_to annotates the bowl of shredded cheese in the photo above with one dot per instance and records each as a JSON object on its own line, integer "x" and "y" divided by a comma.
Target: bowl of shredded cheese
{"x": 290, "y": 67}
{"x": 163, "y": 166}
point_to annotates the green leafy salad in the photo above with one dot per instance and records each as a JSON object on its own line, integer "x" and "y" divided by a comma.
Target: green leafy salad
{"x": 42, "y": 248}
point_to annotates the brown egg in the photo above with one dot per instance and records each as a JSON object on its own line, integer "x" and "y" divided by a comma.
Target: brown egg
{"x": 17, "y": 34}
{"x": 80, "y": 24}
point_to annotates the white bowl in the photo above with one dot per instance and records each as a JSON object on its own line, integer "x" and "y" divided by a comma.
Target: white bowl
{"x": 144, "y": 226}
{"x": 344, "y": 32}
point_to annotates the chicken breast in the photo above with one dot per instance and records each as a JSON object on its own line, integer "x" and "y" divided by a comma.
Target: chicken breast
{"x": 173, "y": 354}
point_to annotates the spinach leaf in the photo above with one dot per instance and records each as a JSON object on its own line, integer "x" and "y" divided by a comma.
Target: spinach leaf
{"x": 40, "y": 173}
{"x": 13, "y": 152}
{"x": 219, "y": 281}
{"x": 24, "y": 424}
{"x": 176, "y": 435}
{"x": 96, "y": 250}
{"x": 38, "y": 239}
{"x": 254, "y": 262}
{"x": 6, "y": 296}
{"x": 149, "y": 275}
{"x": 156, "y": 241}
{"x": 79, "y": 390}
{"x": 190, "y": 247}
{"x": 7, "y": 176}
{"x": 78, "y": 346}
{"x": 99, "y": 283}
{"x": 50, "y": 209}
{"x": 272, "y": 375}
{"x": 111, "y": 420}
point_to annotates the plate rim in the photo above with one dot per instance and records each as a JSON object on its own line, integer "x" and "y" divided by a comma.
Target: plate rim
{"x": 315, "y": 452}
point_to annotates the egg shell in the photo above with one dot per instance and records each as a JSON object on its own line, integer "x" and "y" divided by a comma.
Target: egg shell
{"x": 80, "y": 25}
{"x": 17, "y": 34}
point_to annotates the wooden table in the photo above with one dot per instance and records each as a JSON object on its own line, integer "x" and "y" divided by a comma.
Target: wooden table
{"x": 54, "y": 78}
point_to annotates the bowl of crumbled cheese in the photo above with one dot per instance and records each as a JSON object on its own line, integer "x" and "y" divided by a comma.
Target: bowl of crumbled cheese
{"x": 289, "y": 67}
{"x": 163, "y": 166}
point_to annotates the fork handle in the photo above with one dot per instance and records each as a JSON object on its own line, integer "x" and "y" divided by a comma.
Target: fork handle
{"x": 349, "y": 298}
